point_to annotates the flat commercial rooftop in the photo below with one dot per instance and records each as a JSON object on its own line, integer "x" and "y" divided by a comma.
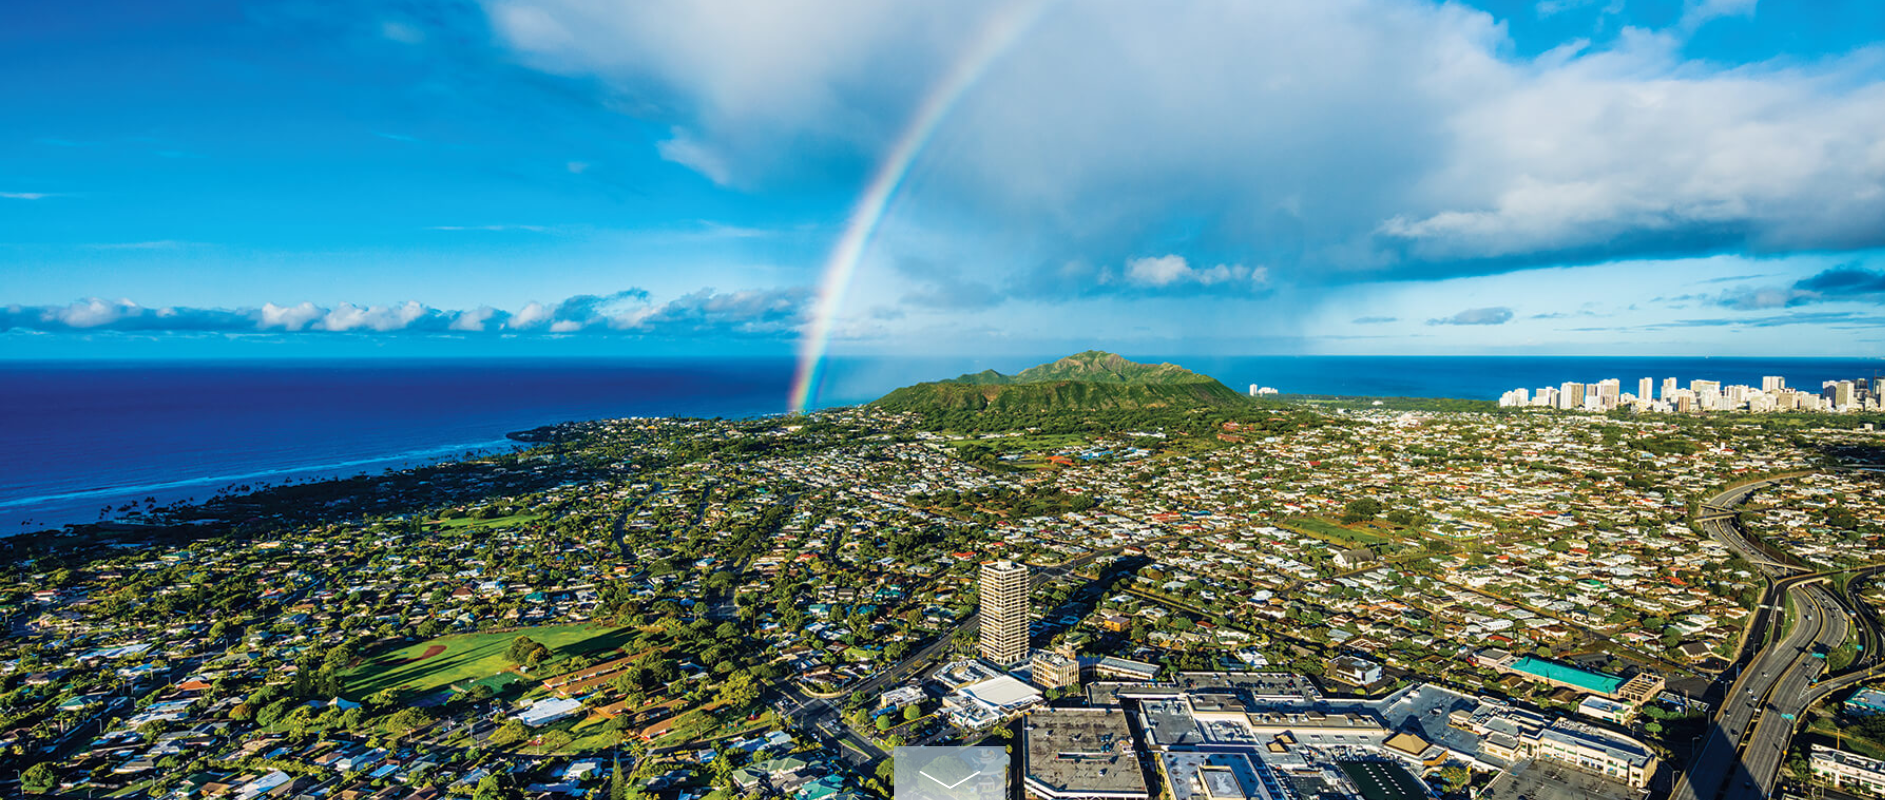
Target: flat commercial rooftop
{"x": 1425, "y": 712}
{"x": 1257, "y": 684}
{"x": 1082, "y": 752}
{"x": 1580, "y": 678}
{"x": 1382, "y": 780}
{"x": 1229, "y": 774}
{"x": 1002, "y": 691}
{"x": 1551, "y": 780}
{"x": 1169, "y": 723}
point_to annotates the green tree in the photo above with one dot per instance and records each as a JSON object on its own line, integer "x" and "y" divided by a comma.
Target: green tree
{"x": 739, "y": 691}
{"x": 407, "y": 720}
{"x": 618, "y": 782}
{"x": 1455, "y": 777}
{"x": 511, "y": 732}
{"x": 39, "y": 778}
{"x": 554, "y": 741}
{"x": 493, "y": 788}
{"x": 1361, "y": 510}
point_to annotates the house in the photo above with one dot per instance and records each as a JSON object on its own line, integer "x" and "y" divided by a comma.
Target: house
{"x": 1354, "y": 671}
{"x": 780, "y": 774}
{"x": 1350, "y": 558}
{"x": 1695, "y": 651}
{"x": 900, "y": 697}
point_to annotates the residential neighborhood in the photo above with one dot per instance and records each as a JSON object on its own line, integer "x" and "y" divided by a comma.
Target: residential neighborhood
{"x": 708, "y": 609}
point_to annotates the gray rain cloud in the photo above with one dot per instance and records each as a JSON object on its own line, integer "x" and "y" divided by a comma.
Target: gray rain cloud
{"x": 1846, "y": 282}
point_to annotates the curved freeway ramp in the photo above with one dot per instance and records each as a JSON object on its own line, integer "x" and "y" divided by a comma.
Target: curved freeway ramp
{"x": 1748, "y": 739}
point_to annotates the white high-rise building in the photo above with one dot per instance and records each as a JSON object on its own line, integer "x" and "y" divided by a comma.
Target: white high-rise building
{"x": 1646, "y": 390}
{"x": 1772, "y": 384}
{"x": 1608, "y": 390}
{"x": 1004, "y": 620}
{"x": 1668, "y": 390}
{"x": 1571, "y": 395}
{"x": 1844, "y": 394}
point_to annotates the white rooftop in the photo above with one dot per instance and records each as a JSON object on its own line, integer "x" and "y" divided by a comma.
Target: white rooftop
{"x": 1002, "y": 691}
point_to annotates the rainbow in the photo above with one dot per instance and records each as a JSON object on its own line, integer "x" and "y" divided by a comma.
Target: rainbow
{"x": 998, "y": 36}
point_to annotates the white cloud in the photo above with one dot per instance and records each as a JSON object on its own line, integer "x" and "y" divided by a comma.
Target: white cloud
{"x": 349, "y": 317}
{"x": 93, "y": 313}
{"x": 1697, "y": 12}
{"x": 1172, "y": 270}
{"x": 689, "y": 152}
{"x": 753, "y": 313}
{"x": 1494, "y": 315}
{"x": 1358, "y": 138}
{"x": 532, "y": 315}
{"x": 1156, "y": 271}
{"x": 25, "y": 195}
{"x": 474, "y": 320}
{"x": 290, "y": 318}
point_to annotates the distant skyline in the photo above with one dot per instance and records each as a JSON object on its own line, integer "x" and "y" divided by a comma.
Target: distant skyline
{"x": 692, "y": 177}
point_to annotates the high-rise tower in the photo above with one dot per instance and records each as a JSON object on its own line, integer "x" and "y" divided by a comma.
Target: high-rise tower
{"x": 1004, "y": 611}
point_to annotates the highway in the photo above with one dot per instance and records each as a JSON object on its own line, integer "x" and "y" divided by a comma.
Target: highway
{"x": 1776, "y": 686}
{"x": 1787, "y": 698}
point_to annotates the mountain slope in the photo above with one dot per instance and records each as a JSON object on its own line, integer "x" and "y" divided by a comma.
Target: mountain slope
{"x": 1092, "y": 380}
{"x": 1092, "y": 366}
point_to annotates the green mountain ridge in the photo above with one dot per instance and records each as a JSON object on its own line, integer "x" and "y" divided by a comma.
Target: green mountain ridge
{"x": 1092, "y": 380}
{"x": 1092, "y": 366}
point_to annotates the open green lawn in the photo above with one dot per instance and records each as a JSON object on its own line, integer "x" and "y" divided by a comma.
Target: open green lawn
{"x": 1824, "y": 726}
{"x": 494, "y": 522}
{"x": 470, "y": 657}
{"x": 1331, "y": 532}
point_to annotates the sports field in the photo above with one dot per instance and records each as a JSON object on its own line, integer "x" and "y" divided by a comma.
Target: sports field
{"x": 1381, "y": 780}
{"x": 1330, "y": 532}
{"x": 462, "y": 658}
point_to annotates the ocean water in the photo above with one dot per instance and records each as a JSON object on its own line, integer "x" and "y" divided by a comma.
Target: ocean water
{"x": 77, "y": 437}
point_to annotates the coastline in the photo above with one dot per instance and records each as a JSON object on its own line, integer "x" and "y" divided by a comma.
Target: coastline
{"x": 87, "y": 434}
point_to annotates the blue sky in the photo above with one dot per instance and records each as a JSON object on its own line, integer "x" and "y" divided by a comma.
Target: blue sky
{"x": 664, "y": 177}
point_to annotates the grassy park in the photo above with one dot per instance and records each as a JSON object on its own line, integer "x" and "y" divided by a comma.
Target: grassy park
{"x": 462, "y": 658}
{"x": 1334, "y": 534}
{"x": 494, "y": 522}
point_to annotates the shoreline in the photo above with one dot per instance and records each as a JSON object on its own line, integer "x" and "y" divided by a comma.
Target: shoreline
{"x": 513, "y": 443}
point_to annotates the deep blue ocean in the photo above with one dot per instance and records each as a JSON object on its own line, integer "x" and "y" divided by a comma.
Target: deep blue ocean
{"x": 77, "y": 436}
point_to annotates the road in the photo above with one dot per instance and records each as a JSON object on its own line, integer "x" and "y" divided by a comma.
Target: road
{"x": 909, "y": 667}
{"x": 1776, "y": 683}
{"x": 1869, "y": 633}
{"x": 823, "y": 718}
{"x": 822, "y": 715}
{"x": 1787, "y": 697}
